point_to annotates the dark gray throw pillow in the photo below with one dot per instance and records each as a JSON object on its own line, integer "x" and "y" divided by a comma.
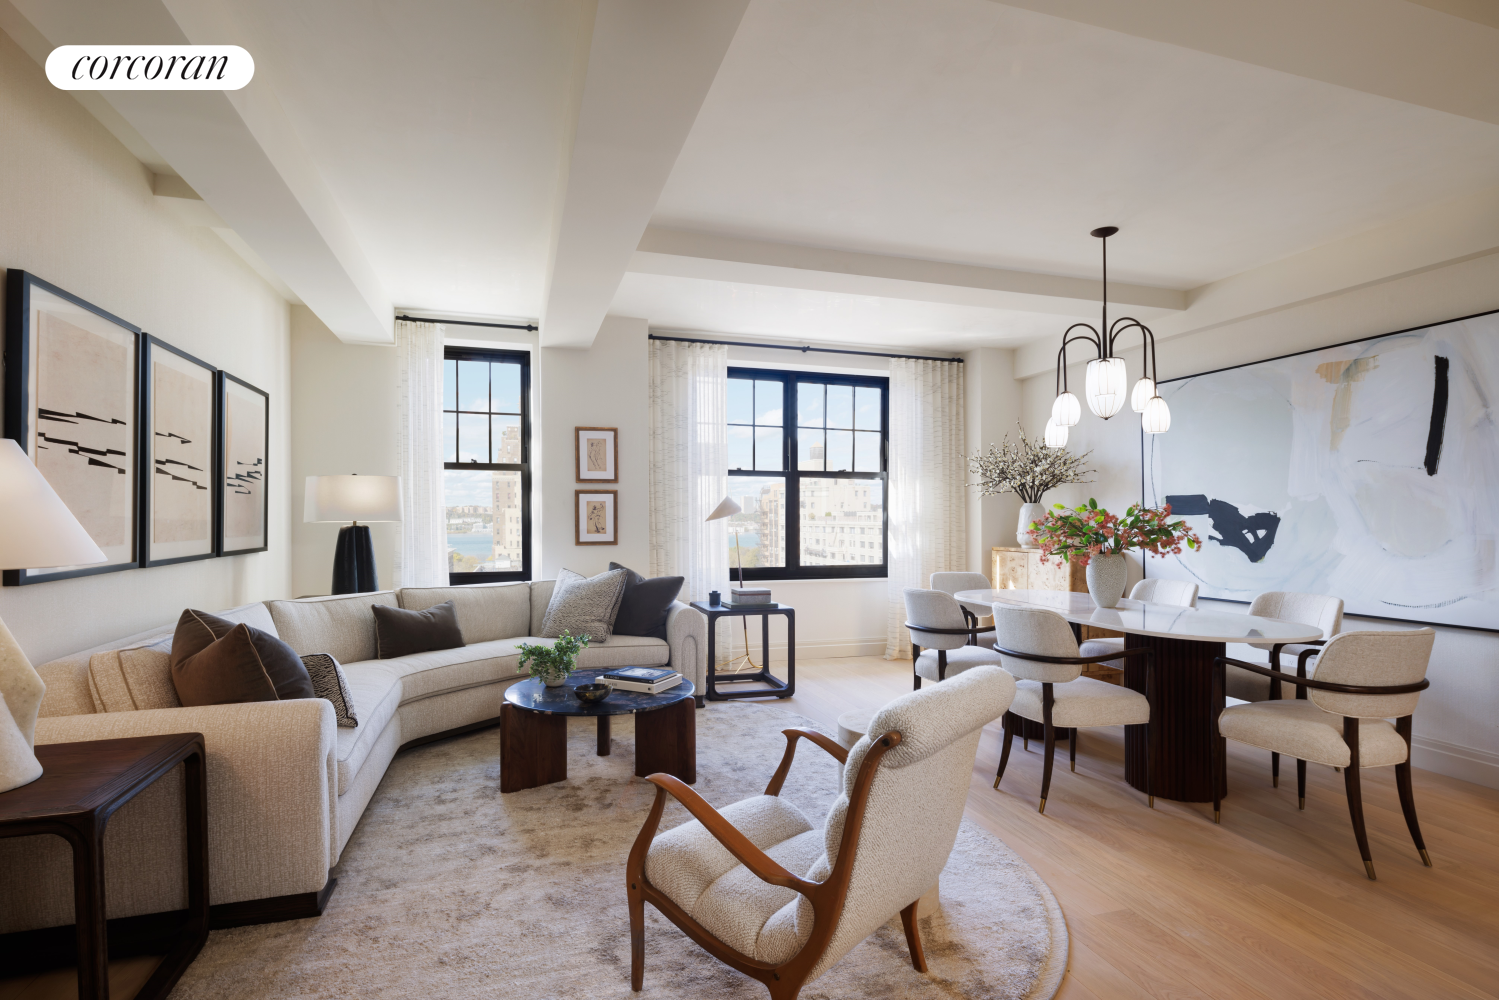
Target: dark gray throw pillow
{"x": 643, "y": 608}
{"x": 256, "y": 652}
{"x": 399, "y": 632}
{"x": 584, "y": 605}
{"x": 328, "y": 682}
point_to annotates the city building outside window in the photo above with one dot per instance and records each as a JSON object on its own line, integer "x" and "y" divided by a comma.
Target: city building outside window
{"x": 487, "y": 464}
{"x": 807, "y": 463}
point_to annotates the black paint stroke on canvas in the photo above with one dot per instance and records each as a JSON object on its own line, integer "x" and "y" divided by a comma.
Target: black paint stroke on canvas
{"x": 1253, "y": 535}
{"x": 1438, "y": 417}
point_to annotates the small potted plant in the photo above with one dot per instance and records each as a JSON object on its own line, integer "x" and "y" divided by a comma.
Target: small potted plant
{"x": 1028, "y": 469}
{"x": 1098, "y": 540}
{"x": 552, "y": 664}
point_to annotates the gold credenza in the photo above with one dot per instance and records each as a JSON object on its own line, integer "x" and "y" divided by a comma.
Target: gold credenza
{"x": 1022, "y": 569}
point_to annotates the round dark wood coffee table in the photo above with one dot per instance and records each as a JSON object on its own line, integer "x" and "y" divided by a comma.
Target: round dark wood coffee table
{"x": 533, "y": 730}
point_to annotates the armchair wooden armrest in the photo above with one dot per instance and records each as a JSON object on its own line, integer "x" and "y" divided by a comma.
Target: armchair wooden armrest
{"x": 1306, "y": 654}
{"x": 1305, "y": 682}
{"x": 970, "y": 632}
{"x": 792, "y": 735}
{"x": 1149, "y": 655}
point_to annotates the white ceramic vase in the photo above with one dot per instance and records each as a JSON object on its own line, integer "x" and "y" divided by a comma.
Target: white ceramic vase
{"x": 1106, "y": 579}
{"x": 21, "y": 691}
{"x": 555, "y": 680}
{"x": 1029, "y": 512}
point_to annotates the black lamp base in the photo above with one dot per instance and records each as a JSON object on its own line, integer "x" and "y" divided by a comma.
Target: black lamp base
{"x": 354, "y": 561}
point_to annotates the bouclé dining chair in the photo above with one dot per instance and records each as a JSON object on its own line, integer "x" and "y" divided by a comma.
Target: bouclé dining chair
{"x": 1363, "y": 679}
{"x": 937, "y": 621}
{"x": 951, "y": 583}
{"x": 1039, "y": 649}
{"x": 1153, "y": 591}
{"x": 767, "y": 893}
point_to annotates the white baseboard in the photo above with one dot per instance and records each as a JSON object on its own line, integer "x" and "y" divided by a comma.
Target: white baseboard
{"x": 1456, "y": 761}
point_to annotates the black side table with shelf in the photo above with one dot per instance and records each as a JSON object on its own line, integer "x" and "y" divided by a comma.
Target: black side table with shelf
{"x": 774, "y": 686}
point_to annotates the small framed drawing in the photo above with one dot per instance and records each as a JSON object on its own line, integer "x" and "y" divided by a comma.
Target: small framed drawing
{"x": 177, "y": 502}
{"x": 595, "y": 517}
{"x": 72, "y": 402}
{"x": 244, "y": 444}
{"x": 596, "y": 454}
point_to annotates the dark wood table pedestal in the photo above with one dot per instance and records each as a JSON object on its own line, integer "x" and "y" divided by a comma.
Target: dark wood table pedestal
{"x": 1182, "y": 707}
{"x": 81, "y": 787}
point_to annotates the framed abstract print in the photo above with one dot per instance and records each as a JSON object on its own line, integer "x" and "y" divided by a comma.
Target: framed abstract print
{"x": 180, "y": 394}
{"x": 596, "y": 452}
{"x": 594, "y": 514}
{"x": 244, "y": 444}
{"x": 72, "y": 402}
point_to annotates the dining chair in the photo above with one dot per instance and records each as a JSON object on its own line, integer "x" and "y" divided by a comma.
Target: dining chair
{"x": 936, "y": 621}
{"x": 951, "y": 583}
{"x": 1038, "y": 647}
{"x": 1174, "y": 592}
{"x": 1363, "y": 679}
{"x": 1320, "y": 610}
{"x": 765, "y": 892}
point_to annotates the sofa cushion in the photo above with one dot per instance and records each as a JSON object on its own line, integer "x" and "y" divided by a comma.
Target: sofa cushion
{"x": 584, "y": 606}
{"x": 622, "y": 651}
{"x": 399, "y": 632}
{"x": 342, "y": 626}
{"x": 376, "y": 693}
{"x": 643, "y": 608}
{"x": 440, "y": 671}
{"x": 541, "y": 599}
{"x": 486, "y": 611}
{"x": 128, "y": 680}
{"x": 198, "y": 630}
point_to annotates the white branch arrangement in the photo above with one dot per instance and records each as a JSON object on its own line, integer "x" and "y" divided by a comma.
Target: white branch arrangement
{"x": 1026, "y": 468}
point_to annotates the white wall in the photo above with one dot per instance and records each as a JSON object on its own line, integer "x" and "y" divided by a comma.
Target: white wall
{"x": 1456, "y": 727}
{"x": 344, "y": 409}
{"x": 992, "y": 399}
{"x": 77, "y": 209}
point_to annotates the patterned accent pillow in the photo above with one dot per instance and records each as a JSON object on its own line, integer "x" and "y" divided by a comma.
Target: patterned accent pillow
{"x": 328, "y": 682}
{"x": 584, "y": 605}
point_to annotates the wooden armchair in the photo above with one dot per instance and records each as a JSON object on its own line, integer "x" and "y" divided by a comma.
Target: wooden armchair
{"x": 766, "y": 893}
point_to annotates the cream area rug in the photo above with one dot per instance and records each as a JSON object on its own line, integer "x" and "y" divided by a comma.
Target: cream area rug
{"x": 449, "y": 889}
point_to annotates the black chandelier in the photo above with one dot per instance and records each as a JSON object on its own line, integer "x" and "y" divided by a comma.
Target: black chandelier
{"x": 1107, "y": 376}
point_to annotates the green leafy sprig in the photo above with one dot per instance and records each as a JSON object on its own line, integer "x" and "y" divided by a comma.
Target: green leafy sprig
{"x": 554, "y": 662}
{"x": 1077, "y": 534}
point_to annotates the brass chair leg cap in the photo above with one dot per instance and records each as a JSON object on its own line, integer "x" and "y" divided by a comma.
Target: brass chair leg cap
{"x": 996, "y": 784}
{"x": 1152, "y": 801}
{"x": 1043, "y": 806}
{"x": 1073, "y": 765}
{"x": 1274, "y": 781}
{"x": 1301, "y": 802}
{"x": 1425, "y": 858}
{"x": 1369, "y": 870}
{"x": 1217, "y": 816}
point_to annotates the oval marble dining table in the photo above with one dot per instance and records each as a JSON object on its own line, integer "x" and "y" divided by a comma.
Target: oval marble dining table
{"x": 1183, "y": 703}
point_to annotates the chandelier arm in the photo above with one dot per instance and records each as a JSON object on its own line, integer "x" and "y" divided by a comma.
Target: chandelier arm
{"x": 1061, "y": 379}
{"x": 1123, "y": 325}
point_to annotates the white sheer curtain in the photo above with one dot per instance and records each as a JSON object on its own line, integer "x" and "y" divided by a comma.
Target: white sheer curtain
{"x": 928, "y": 475}
{"x": 689, "y": 461}
{"x": 423, "y": 552}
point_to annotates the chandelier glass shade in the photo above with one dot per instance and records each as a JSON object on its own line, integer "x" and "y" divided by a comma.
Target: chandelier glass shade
{"x": 1106, "y": 386}
{"x": 1065, "y": 411}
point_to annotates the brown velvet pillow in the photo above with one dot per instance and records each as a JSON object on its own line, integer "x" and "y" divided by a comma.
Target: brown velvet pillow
{"x": 198, "y": 631}
{"x": 399, "y": 632}
{"x": 228, "y": 671}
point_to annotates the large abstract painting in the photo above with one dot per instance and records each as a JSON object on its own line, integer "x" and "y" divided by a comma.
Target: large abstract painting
{"x": 71, "y": 401}
{"x": 1369, "y": 471}
{"x": 245, "y": 433}
{"x": 180, "y": 455}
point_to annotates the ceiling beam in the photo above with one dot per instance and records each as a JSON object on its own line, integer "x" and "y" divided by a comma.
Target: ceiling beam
{"x": 650, "y": 64}
{"x": 239, "y": 152}
{"x": 681, "y": 254}
{"x": 1407, "y": 51}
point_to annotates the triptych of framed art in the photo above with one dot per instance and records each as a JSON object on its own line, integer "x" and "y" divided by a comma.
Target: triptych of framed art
{"x": 161, "y": 456}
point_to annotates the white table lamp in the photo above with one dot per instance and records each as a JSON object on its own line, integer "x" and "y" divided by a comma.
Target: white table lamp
{"x": 353, "y": 498}
{"x": 36, "y": 531}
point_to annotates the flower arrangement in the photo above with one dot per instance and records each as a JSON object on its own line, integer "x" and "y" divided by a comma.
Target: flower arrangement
{"x": 1086, "y": 531}
{"x": 1026, "y": 468}
{"x": 552, "y": 664}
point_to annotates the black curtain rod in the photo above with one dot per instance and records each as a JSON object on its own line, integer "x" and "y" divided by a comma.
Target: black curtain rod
{"x": 819, "y": 350}
{"x": 466, "y": 322}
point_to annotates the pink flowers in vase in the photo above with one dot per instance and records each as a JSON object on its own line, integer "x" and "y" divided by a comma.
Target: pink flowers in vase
{"x": 1078, "y": 534}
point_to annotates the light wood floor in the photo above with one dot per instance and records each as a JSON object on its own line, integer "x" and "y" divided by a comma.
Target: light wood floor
{"x": 1162, "y": 903}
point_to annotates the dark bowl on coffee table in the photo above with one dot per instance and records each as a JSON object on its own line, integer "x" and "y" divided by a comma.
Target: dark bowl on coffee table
{"x": 590, "y": 694}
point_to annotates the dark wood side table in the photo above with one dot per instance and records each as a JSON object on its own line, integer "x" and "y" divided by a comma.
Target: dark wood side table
{"x": 774, "y": 686}
{"x": 81, "y": 786}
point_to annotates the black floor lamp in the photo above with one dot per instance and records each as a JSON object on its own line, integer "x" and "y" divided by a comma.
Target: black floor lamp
{"x": 353, "y": 498}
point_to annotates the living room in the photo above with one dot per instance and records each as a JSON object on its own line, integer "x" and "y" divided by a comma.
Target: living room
{"x": 787, "y": 308}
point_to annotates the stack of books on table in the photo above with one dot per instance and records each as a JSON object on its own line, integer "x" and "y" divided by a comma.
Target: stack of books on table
{"x": 646, "y": 680}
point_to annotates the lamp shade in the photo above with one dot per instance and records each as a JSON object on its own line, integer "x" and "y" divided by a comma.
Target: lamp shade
{"x": 726, "y": 509}
{"x": 1157, "y": 416}
{"x": 37, "y": 530}
{"x": 1065, "y": 411}
{"x": 1140, "y": 396}
{"x": 352, "y": 498}
{"x": 1105, "y": 386}
{"x": 1056, "y": 435}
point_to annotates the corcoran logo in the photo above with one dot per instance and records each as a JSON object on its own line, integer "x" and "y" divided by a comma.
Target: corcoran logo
{"x": 149, "y": 67}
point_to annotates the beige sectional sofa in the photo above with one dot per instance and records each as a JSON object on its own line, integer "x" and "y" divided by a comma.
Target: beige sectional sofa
{"x": 286, "y": 784}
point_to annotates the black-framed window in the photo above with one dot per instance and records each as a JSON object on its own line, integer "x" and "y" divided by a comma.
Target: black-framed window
{"x": 808, "y": 463}
{"x": 486, "y": 434}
